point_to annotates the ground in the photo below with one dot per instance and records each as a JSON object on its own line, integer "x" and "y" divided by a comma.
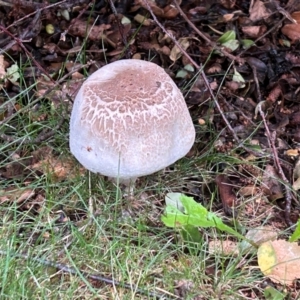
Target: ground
{"x": 69, "y": 234}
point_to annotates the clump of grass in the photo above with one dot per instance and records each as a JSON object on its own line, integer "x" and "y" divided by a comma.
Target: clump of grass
{"x": 121, "y": 239}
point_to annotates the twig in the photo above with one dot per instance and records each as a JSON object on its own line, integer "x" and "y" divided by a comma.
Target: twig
{"x": 205, "y": 82}
{"x": 66, "y": 269}
{"x": 27, "y": 34}
{"x": 31, "y": 4}
{"x": 256, "y": 83}
{"x": 277, "y": 24}
{"x": 120, "y": 26}
{"x": 63, "y": 35}
{"x": 171, "y": 36}
{"x": 33, "y": 13}
{"x": 211, "y": 43}
{"x": 271, "y": 140}
{"x": 288, "y": 194}
{"x": 20, "y": 42}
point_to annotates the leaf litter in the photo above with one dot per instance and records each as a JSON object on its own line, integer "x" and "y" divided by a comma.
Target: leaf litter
{"x": 254, "y": 74}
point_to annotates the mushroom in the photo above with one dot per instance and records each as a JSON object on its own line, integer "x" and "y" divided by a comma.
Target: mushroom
{"x": 129, "y": 119}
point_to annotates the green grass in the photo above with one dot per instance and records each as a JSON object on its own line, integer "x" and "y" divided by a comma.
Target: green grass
{"x": 123, "y": 239}
{"x": 115, "y": 237}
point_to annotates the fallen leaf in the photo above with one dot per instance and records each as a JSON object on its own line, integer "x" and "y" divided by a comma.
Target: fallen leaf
{"x": 279, "y": 261}
{"x": 292, "y": 152}
{"x": 254, "y": 31}
{"x": 296, "y": 184}
{"x": 258, "y": 235}
{"x": 249, "y": 190}
{"x": 223, "y": 247}
{"x": 59, "y": 168}
{"x": 292, "y": 31}
{"x": 228, "y": 197}
{"x": 296, "y": 16}
{"x": 170, "y": 12}
{"x": 228, "y": 3}
{"x": 258, "y": 11}
{"x": 270, "y": 184}
{"x": 176, "y": 52}
{"x": 16, "y": 194}
{"x": 13, "y": 73}
{"x": 94, "y": 33}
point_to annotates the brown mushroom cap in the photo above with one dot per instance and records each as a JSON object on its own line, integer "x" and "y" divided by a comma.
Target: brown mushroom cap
{"x": 129, "y": 119}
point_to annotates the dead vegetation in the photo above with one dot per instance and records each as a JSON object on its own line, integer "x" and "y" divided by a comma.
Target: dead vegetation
{"x": 242, "y": 90}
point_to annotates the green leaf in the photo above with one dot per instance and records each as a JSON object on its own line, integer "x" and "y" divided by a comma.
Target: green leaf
{"x": 286, "y": 43}
{"x": 232, "y": 44}
{"x": 296, "y": 235}
{"x": 13, "y": 73}
{"x": 271, "y": 293}
{"x": 237, "y": 77}
{"x": 173, "y": 217}
{"x": 191, "y": 234}
{"x": 173, "y": 199}
{"x": 181, "y": 74}
{"x": 189, "y": 68}
{"x": 227, "y": 36}
{"x": 247, "y": 43}
{"x": 192, "y": 214}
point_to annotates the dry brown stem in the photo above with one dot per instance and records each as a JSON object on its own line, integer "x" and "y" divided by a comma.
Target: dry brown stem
{"x": 202, "y": 35}
{"x": 205, "y": 81}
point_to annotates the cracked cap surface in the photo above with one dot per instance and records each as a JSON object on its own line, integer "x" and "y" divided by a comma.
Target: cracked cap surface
{"x": 129, "y": 119}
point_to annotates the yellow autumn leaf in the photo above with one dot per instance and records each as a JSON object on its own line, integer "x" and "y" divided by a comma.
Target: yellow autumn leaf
{"x": 280, "y": 261}
{"x": 266, "y": 257}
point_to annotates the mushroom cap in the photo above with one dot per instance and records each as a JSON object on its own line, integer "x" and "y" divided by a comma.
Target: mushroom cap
{"x": 129, "y": 119}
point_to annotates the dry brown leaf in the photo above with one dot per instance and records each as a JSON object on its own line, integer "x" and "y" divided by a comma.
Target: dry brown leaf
{"x": 156, "y": 10}
{"x": 59, "y": 168}
{"x": 198, "y": 10}
{"x": 270, "y": 184}
{"x": 16, "y": 194}
{"x": 214, "y": 85}
{"x": 165, "y": 50}
{"x": 176, "y": 52}
{"x": 226, "y": 193}
{"x": 223, "y": 247}
{"x": 170, "y": 12}
{"x": 275, "y": 93}
{"x": 233, "y": 85}
{"x": 258, "y": 11}
{"x": 81, "y": 28}
{"x": 227, "y": 17}
{"x": 292, "y": 152}
{"x": 292, "y": 31}
{"x": 249, "y": 190}
{"x": 254, "y": 31}
{"x": 228, "y": 3}
{"x": 142, "y": 20}
{"x": 57, "y": 96}
{"x": 214, "y": 68}
{"x": 296, "y": 16}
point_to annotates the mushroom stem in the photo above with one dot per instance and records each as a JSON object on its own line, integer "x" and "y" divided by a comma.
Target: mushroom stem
{"x": 128, "y": 185}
